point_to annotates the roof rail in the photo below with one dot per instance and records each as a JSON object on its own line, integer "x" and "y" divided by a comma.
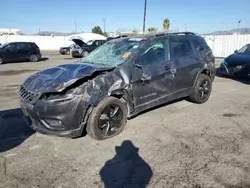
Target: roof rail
{"x": 183, "y": 33}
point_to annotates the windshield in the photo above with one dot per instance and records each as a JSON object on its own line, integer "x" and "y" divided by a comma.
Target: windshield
{"x": 112, "y": 53}
{"x": 245, "y": 50}
{"x": 3, "y": 45}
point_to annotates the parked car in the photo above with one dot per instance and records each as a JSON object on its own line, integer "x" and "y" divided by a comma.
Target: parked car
{"x": 116, "y": 81}
{"x": 17, "y": 51}
{"x": 238, "y": 64}
{"x": 86, "y": 48}
{"x": 112, "y": 38}
{"x": 66, "y": 50}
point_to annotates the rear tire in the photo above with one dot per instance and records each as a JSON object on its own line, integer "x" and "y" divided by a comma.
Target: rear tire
{"x": 34, "y": 58}
{"x": 68, "y": 52}
{"x": 202, "y": 89}
{"x": 1, "y": 61}
{"x": 107, "y": 119}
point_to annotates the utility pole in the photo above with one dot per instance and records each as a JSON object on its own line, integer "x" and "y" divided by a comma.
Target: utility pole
{"x": 75, "y": 26}
{"x": 144, "y": 18}
{"x": 239, "y": 26}
{"x": 104, "y": 24}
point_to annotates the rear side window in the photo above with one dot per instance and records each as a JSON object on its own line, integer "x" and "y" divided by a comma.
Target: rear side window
{"x": 181, "y": 47}
{"x": 199, "y": 45}
{"x": 23, "y": 46}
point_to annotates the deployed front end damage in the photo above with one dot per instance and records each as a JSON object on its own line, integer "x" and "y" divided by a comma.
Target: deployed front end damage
{"x": 59, "y": 100}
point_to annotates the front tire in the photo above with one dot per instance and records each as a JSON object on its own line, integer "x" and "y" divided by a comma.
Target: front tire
{"x": 1, "y": 61}
{"x": 202, "y": 89}
{"x": 107, "y": 119}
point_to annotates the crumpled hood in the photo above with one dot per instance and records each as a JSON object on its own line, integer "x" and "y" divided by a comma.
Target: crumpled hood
{"x": 58, "y": 78}
{"x": 238, "y": 59}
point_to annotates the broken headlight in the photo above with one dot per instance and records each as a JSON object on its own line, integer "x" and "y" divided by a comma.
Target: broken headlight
{"x": 57, "y": 97}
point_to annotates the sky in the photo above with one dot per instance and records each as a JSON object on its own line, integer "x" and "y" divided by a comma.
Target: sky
{"x": 199, "y": 16}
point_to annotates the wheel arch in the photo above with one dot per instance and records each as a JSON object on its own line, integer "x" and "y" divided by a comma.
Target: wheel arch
{"x": 205, "y": 71}
{"x": 123, "y": 95}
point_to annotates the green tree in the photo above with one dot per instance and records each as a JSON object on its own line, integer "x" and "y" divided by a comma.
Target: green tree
{"x": 166, "y": 24}
{"x": 152, "y": 29}
{"x": 97, "y": 30}
{"x": 105, "y": 34}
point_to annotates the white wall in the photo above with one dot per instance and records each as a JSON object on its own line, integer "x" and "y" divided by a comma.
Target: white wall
{"x": 44, "y": 42}
{"x": 222, "y": 45}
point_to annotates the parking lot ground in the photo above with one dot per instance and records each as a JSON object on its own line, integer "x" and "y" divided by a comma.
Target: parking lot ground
{"x": 179, "y": 145}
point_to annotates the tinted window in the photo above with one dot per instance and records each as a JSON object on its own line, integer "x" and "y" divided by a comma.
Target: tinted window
{"x": 23, "y": 46}
{"x": 199, "y": 45}
{"x": 245, "y": 50}
{"x": 11, "y": 47}
{"x": 155, "y": 53}
{"x": 181, "y": 47}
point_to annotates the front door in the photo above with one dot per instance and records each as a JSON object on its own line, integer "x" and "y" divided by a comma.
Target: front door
{"x": 10, "y": 52}
{"x": 152, "y": 76}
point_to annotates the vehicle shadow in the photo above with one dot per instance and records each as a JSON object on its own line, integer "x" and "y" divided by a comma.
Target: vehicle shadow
{"x": 44, "y": 59}
{"x": 244, "y": 81}
{"x": 13, "y": 130}
{"x": 126, "y": 169}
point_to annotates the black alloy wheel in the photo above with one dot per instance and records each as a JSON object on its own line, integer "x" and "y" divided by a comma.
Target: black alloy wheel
{"x": 204, "y": 89}
{"x": 107, "y": 119}
{"x": 201, "y": 90}
{"x": 110, "y": 120}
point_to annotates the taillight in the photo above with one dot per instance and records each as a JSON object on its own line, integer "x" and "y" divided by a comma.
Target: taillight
{"x": 37, "y": 49}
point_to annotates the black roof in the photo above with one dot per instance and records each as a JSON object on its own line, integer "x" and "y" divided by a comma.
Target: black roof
{"x": 20, "y": 42}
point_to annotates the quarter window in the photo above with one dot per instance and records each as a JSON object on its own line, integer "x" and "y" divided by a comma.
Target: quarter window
{"x": 181, "y": 48}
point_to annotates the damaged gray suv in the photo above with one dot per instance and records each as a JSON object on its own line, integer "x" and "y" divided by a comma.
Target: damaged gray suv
{"x": 116, "y": 81}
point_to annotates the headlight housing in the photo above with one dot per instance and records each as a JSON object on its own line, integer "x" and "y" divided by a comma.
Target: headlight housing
{"x": 240, "y": 67}
{"x": 57, "y": 97}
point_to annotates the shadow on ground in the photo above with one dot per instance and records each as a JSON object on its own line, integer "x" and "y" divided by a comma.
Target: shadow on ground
{"x": 44, "y": 59}
{"x": 13, "y": 130}
{"x": 126, "y": 169}
{"x": 242, "y": 80}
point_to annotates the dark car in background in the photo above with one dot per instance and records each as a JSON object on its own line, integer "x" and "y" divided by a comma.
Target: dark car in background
{"x": 66, "y": 50}
{"x": 116, "y": 81}
{"x": 85, "y": 48}
{"x": 19, "y": 51}
{"x": 238, "y": 64}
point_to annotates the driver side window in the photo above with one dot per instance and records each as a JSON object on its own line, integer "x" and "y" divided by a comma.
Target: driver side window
{"x": 156, "y": 52}
{"x": 11, "y": 47}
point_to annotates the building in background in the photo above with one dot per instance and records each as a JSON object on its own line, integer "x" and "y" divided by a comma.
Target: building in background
{"x": 9, "y": 31}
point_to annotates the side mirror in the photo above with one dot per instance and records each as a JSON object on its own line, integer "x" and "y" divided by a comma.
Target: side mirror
{"x": 236, "y": 51}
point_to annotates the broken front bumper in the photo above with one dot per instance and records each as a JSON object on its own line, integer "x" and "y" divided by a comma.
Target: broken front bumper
{"x": 59, "y": 118}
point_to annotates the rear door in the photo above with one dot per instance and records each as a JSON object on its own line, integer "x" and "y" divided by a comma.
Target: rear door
{"x": 23, "y": 50}
{"x": 186, "y": 62}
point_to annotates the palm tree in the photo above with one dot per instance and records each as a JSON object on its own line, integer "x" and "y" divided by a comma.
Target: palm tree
{"x": 152, "y": 29}
{"x": 166, "y": 24}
